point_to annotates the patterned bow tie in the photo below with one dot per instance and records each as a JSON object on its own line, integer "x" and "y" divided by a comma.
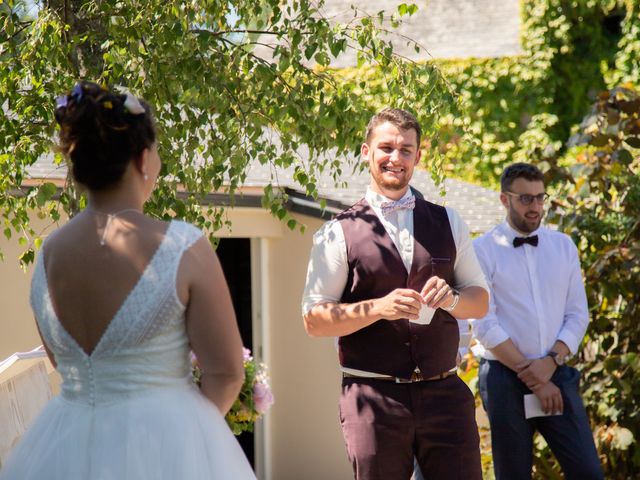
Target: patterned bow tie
{"x": 532, "y": 240}
{"x": 389, "y": 207}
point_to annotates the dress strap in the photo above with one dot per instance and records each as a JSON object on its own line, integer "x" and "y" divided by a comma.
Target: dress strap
{"x": 182, "y": 236}
{"x": 186, "y": 235}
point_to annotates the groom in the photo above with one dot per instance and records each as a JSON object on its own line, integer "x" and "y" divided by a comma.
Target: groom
{"x": 381, "y": 277}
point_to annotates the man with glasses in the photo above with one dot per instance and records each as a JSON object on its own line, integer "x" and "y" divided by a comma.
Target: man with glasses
{"x": 537, "y": 317}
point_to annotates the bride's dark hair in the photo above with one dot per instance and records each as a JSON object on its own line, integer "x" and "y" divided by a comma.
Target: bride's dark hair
{"x": 100, "y": 135}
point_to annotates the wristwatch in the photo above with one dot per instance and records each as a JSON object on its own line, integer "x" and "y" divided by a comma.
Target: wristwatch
{"x": 557, "y": 359}
{"x": 456, "y": 299}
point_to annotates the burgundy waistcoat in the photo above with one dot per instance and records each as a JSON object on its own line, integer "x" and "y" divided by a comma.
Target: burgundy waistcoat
{"x": 375, "y": 269}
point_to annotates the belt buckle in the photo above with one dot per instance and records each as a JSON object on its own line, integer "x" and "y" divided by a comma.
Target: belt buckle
{"x": 415, "y": 377}
{"x": 404, "y": 380}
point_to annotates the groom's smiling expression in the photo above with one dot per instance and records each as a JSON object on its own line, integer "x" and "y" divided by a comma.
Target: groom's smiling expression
{"x": 392, "y": 154}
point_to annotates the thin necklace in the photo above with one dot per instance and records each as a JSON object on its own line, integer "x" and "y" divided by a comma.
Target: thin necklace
{"x": 110, "y": 217}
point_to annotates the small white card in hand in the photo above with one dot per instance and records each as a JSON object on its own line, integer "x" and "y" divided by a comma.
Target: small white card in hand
{"x": 533, "y": 408}
{"x": 425, "y": 315}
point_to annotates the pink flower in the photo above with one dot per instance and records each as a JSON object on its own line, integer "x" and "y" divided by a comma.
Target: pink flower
{"x": 262, "y": 397}
{"x": 193, "y": 358}
{"x": 246, "y": 354}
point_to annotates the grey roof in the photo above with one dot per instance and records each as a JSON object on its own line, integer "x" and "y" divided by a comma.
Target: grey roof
{"x": 446, "y": 28}
{"x": 479, "y": 207}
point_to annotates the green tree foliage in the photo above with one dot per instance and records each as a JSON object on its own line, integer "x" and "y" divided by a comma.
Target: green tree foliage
{"x": 600, "y": 209}
{"x": 525, "y": 107}
{"x": 231, "y": 82}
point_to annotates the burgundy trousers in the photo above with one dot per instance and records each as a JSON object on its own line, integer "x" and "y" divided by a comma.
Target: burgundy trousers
{"x": 386, "y": 424}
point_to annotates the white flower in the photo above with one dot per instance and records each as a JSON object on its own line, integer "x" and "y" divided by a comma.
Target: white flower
{"x": 133, "y": 105}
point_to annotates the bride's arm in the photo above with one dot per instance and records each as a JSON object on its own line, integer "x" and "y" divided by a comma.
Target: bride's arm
{"x": 211, "y": 324}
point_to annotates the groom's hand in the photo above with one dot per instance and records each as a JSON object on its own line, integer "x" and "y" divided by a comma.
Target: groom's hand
{"x": 401, "y": 303}
{"x": 437, "y": 293}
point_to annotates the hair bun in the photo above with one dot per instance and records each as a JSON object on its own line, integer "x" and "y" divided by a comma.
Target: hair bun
{"x": 101, "y": 131}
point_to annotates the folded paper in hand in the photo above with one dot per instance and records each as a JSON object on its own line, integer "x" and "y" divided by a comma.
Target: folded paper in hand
{"x": 425, "y": 315}
{"x": 533, "y": 408}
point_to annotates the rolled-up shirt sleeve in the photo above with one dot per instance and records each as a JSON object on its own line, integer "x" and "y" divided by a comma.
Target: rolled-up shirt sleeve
{"x": 465, "y": 337}
{"x": 576, "y": 316}
{"x": 328, "y": 270}
{"x": 487, "y": 330}
{"x": 466, "y": 270}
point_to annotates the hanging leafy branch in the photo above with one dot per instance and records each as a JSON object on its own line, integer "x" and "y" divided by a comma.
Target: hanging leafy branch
{"x": 232, "y": 82}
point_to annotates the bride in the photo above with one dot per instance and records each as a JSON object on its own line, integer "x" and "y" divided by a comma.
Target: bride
{"x": 119, "y": 300}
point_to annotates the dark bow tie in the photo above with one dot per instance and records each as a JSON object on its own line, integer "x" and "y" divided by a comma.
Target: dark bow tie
{"x": 532, "y": 240}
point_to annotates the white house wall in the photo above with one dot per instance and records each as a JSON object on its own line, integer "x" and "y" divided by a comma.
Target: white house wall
{"x": 17, "y": 328}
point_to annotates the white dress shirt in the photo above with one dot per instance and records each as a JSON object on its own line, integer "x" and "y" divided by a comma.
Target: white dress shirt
{"x": 537, "y": 293}
{"x": 328, "y": 269}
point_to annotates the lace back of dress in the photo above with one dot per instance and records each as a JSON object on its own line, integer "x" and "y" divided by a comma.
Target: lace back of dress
{"x": 157, "y": 296}
{"x": 151, "y": 305}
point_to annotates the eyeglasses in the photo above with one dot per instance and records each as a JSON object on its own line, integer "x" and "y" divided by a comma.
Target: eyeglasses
{"x": 527, "y": 199}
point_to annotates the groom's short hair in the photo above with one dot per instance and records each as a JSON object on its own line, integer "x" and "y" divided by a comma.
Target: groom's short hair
{"x": 397, "y": 117}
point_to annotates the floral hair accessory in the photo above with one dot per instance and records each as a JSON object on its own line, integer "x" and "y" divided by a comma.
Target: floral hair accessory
{"x": 133, "y": 105}
{"x": 61, "y": 101}
{"x": 76, "y": 93}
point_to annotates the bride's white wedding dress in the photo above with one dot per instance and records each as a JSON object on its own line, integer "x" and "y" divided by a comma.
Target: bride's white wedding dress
{"x": 128, "y": 411}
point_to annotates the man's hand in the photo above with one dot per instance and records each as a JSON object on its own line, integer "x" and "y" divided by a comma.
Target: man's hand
{"x": 537, "y": 373}
{"x": 400, "y": 303}
{"x": 437, "y": 293}
{"x": 550, "y": 398}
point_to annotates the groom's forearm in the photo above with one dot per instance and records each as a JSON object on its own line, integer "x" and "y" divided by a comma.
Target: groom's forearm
{"x": 340, "y": 319}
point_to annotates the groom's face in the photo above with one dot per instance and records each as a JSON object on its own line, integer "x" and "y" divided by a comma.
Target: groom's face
{"x": 392, "y": 154}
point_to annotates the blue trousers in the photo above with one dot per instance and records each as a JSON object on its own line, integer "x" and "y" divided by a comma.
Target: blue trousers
{"x": 568, "y": 435}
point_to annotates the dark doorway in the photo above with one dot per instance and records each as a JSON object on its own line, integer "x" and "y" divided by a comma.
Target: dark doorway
{"x": 235, "y": 258}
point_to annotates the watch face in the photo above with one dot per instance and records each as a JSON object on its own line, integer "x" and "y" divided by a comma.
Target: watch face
{"x": 556, "y": 358}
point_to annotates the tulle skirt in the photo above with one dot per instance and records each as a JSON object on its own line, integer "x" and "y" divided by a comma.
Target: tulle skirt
{"x": 173, "y": 434}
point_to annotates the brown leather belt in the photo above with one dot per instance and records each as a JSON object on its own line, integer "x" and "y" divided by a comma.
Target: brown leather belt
{"x": 415, "y": 377}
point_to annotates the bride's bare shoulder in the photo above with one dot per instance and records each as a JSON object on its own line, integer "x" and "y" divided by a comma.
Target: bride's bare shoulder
{"x": 84, "y": 233}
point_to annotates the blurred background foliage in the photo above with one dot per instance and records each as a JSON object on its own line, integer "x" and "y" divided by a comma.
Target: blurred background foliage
{"x": 525, "y": 107}
{"x": 598, "y": 204}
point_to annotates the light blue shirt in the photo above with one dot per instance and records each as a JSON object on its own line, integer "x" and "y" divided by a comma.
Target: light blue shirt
{"x": 537, "y": 293}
